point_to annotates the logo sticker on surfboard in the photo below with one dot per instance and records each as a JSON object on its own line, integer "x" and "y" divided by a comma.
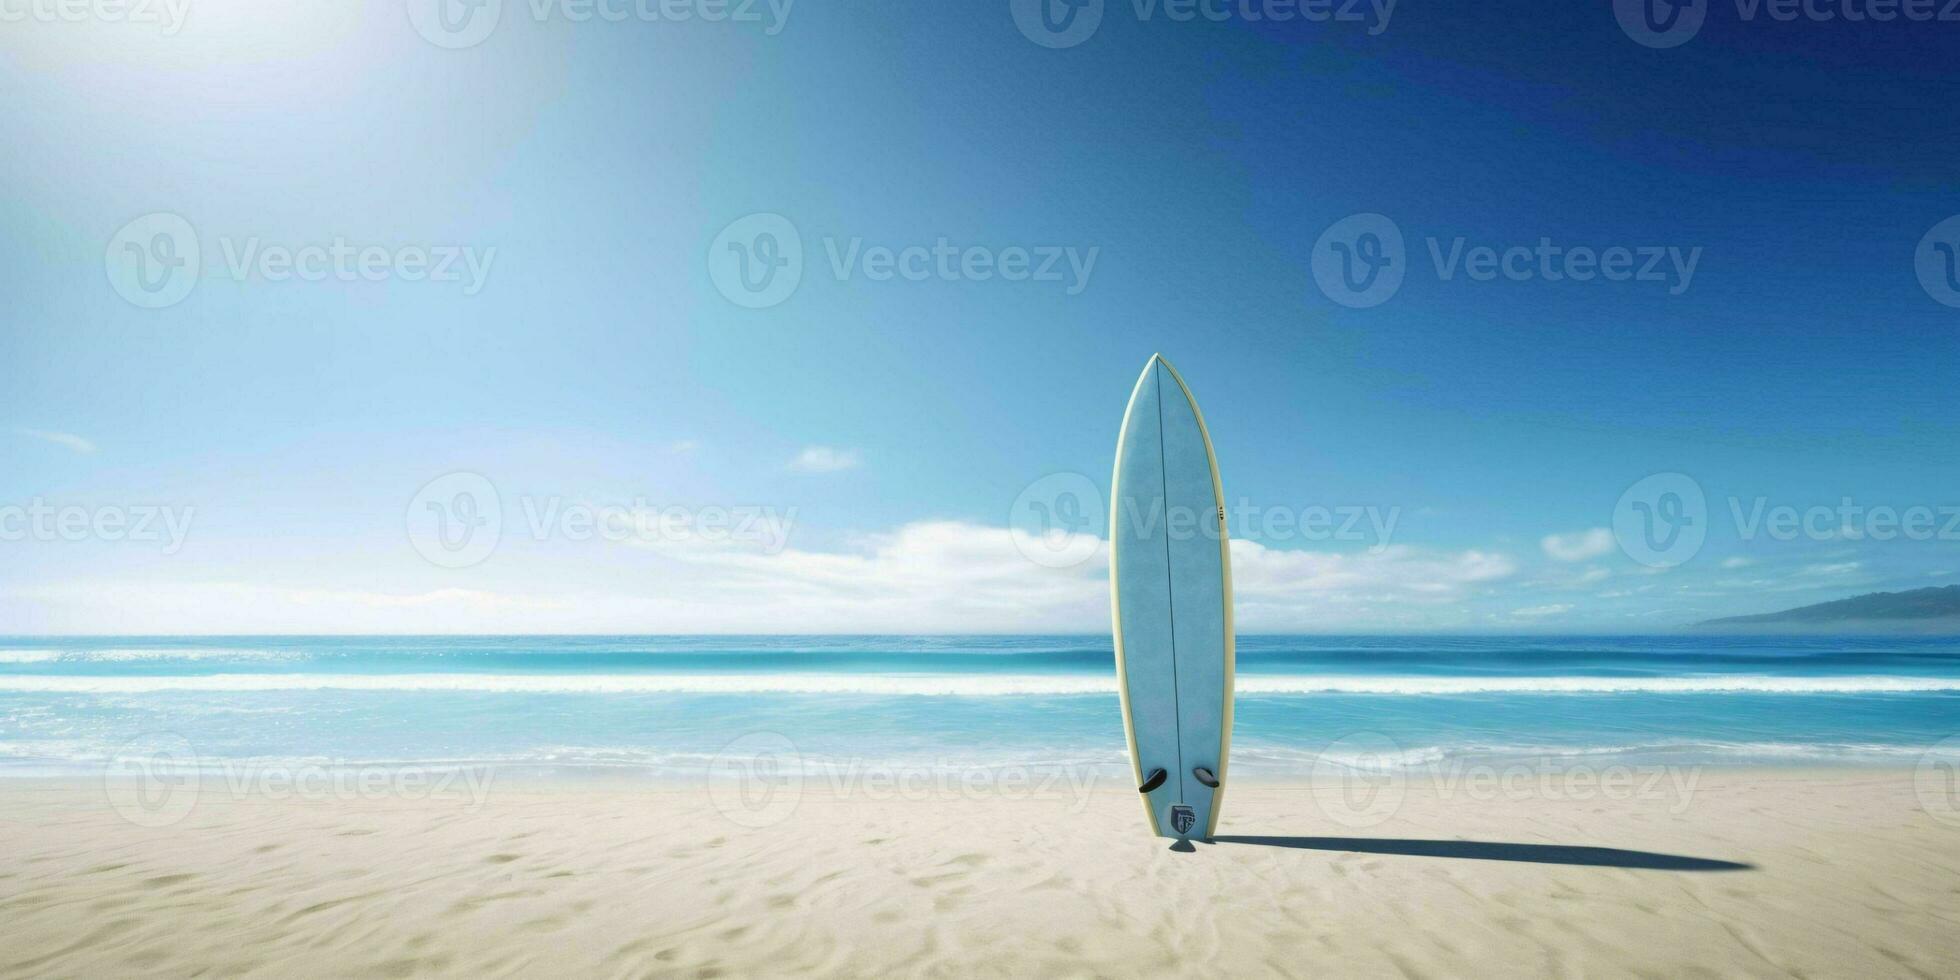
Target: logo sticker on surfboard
{"x": 1182, "y": 817}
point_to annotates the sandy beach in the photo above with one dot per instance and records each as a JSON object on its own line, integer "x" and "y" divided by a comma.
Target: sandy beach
{"x": 1752, "y": 872}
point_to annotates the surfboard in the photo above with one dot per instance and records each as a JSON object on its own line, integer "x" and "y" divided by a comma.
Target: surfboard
{"x": 1170, "y": 586}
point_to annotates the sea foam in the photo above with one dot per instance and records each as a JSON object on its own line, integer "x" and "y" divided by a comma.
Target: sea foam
{"x": 966, "y": 685}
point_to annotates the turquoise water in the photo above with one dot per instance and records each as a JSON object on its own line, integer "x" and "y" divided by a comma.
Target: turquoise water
{"x": 668, "y": 705}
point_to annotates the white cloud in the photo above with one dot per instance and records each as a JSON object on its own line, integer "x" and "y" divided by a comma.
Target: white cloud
{"x": 1578, "y": 545}
{"x": 1397, "y": 586}
{"x": 1742, "y": 585}
{"x": 65, "y": 440}
{"x": 166, "y": 608}
{"x": 684, "y": 446}
{"x": 1560, "y": 577}
{"x": 1259, "y": 570}
{"x": 1737, "y": 561}
{"x": 1538, "y": 612}
{"x": 824, "y": 459}
{"x": 926, "y": 577}
{"x": 1626, "y": 593}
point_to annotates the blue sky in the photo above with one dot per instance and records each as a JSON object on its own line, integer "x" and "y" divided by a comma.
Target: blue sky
{"x": 1482, "y": 434}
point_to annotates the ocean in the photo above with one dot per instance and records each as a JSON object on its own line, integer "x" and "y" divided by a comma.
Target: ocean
{"x": 662, "y": 707}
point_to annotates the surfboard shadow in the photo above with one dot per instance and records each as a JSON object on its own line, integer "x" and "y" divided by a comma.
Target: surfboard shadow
{"x": 1596, "y": 857}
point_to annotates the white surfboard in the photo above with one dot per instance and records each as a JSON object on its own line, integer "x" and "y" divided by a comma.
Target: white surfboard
{"x": 1170, "y": 576}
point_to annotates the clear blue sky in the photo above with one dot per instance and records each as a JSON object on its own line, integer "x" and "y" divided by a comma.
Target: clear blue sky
{"x": 600, "y": 363}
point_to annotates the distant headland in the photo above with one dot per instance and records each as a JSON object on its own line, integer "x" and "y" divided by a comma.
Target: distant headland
{"x": 1930, "y": 610}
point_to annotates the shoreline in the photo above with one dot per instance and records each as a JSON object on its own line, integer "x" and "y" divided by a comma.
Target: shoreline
{"x": 1760, "y": 871}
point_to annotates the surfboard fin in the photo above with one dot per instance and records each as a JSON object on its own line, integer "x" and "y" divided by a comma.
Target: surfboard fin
{"x": 1154, "y": 780}
{"x": 1205, "y": 776}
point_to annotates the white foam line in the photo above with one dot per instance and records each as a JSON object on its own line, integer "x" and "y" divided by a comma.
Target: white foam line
{"x": 127, "y": 654}
{"x": 961, "y": 684}
{"x": 1706, "y": 684}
